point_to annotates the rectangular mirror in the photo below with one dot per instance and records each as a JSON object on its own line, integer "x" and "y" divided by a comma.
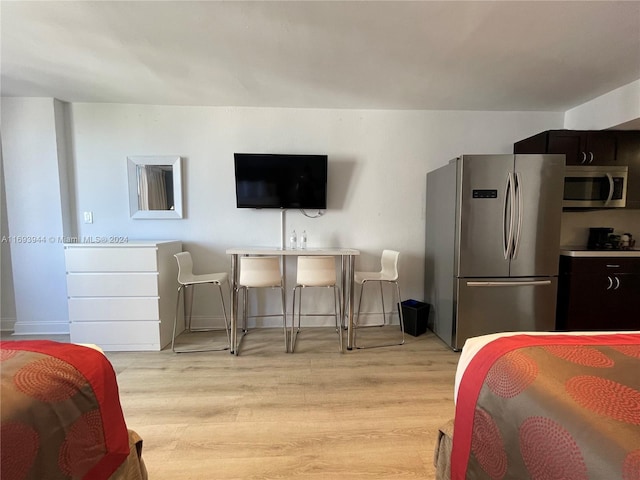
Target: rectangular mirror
{"x": 155, "y": 187}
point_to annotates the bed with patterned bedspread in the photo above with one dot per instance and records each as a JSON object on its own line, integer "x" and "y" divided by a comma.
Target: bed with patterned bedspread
{"x": 61, "y": 416}
{"x": 546, "y": 407}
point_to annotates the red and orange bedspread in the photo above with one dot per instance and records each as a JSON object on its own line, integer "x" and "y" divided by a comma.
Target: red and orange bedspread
{"x": 550, "y": 407}
{"x": 61, "y": 414}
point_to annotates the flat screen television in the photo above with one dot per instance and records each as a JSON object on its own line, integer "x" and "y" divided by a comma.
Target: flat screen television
{"x": 280, "y": 181}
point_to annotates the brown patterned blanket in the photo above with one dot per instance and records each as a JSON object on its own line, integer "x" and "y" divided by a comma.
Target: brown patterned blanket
{"x": 61, "y": 415}
{"x": 550, "y": 407}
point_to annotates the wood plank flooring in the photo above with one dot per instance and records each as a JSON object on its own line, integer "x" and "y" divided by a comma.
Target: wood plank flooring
{"x": 314, "y": 414}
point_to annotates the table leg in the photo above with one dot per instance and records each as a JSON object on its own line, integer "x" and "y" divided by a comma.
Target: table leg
{"x": 283, "y": 269}
{"x": 343, "y": 288}
{"x": 350, "y": 275}
{"x": 343, "y": 297}
{"x": 234, "y": 304}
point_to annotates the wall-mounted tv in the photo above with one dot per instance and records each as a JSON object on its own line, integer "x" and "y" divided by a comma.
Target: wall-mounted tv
{"x": 281, "y": 181}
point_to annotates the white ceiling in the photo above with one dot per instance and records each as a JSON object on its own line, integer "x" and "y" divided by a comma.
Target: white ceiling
{"x": 495, "y": 55}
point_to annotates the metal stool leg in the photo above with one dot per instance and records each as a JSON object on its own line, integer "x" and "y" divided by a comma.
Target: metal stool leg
{"x": 226, "y": 319}
{"x": 337, "y": 314}
{"x": 384, "y": 315}
{"x": 337, "y": 308}
{"x": 246, "y": 316}
{"x": 294, "y": 334}
{"x": 175, "y": 319}
{"x": 284, "y": 319}
{"x": 181, "y": 290}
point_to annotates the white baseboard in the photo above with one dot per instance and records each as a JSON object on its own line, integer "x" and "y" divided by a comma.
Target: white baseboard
{"x": 41, "y": 328}
{"x": 7, "y": 323}
{"x": 62, "y": 328}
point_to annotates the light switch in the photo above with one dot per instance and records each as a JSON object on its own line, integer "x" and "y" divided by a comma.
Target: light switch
{"x": 88, "y": 217}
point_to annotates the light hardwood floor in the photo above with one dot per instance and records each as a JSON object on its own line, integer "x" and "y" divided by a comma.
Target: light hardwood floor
{"x": 314, "y": 414}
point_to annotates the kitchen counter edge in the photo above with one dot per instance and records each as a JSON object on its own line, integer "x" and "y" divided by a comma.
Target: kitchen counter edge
{"x": 568, "y": 252}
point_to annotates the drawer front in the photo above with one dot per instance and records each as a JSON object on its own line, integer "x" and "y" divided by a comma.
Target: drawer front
{"x": 93, "y": 309}
{"x": 117, "y": 337}
{"x": 604, "y": 265}
{"x": 114, "y": 259}
{"x": 112, "y": 284}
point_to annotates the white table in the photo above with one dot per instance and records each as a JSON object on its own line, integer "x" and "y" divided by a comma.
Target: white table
{"x": 347, "y": 256}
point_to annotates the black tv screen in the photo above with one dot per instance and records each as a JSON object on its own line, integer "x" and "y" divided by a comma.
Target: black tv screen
{"x": 281, "y": 181}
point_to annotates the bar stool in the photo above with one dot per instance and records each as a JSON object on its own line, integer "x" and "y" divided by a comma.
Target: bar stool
{"x": 315, "y": 271}
{"x": 260, "y": 272}
{"x": 187, "y": 280}
{"x": 387, "y": 274}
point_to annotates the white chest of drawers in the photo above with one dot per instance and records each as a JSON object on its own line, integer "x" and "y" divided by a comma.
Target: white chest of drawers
{"x": 122, "y": 297}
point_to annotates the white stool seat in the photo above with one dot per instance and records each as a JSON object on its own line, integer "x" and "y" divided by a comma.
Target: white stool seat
{"x": 360, "y": 277}
{"x": 260, "y": 272}
{"x": 388, "y": 274}
{"x": 186, "y": 279}
{"x": 217, "y": 278}
{"x": 315, "y": 271}
{"x": 388, "y": 269}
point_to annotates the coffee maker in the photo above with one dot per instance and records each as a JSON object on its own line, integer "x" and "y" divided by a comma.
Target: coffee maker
{"x": 599, "y": 238}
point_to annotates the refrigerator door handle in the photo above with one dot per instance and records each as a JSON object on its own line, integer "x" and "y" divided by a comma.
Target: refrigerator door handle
{"x": 509, "y": 201}
{"x": 610, "y": 196}
{"x": 510, "y": 283}
{"x": 518, "y": 192}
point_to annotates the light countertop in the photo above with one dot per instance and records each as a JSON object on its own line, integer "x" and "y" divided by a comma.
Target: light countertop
{"x": 574, "y": 251}
{"x": 292, "y": 252}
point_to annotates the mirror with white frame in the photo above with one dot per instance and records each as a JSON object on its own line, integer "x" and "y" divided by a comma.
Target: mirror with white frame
{"x": 155, "y": 187}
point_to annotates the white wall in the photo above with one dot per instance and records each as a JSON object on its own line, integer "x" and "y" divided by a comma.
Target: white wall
{"x": 7, "y": 296}
{"x": 35, "y": 209}
{"x": 619, "y": 106}
{"x": 378, "y": 162}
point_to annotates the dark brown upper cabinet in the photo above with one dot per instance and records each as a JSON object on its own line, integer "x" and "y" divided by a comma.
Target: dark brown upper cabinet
{"x": 593, "y": 147}
{"x": 581, "y": 147}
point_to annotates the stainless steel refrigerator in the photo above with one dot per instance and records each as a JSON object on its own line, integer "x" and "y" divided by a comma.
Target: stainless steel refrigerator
{"x": 492, "y": 244}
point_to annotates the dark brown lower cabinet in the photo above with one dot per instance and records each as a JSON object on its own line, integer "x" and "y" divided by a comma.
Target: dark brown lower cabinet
{"x": 598, "y": 293}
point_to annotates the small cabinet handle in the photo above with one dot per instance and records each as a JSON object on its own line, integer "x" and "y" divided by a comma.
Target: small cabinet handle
{"x": 617, "y": 283}
{"x": 590, "y": 157}
{"x": 610, "y": 283}
{"x": 584, "y": 157}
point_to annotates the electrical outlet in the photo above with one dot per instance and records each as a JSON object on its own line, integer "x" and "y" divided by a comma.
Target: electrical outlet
{"x": 88, "y": 217}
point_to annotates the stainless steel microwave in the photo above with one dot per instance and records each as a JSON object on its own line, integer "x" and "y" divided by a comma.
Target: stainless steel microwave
{"x": 595, "y": 187}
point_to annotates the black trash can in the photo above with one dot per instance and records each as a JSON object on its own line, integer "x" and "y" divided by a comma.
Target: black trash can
{"x": 415, "y": 315}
